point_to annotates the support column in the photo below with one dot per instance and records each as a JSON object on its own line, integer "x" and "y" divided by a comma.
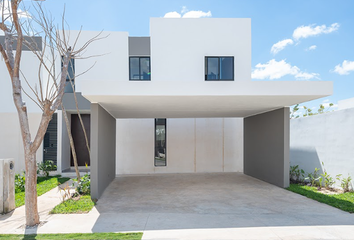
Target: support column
{"x": 103, "y": 150}
{"x": 266, "y": 147}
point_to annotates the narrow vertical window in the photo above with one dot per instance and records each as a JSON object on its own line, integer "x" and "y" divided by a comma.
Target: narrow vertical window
{"x": 139, "y": 68}
{"x": 69, "y": 76}
{"x": 160, "y": 142}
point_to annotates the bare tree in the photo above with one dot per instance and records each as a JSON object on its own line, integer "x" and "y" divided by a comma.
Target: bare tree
{"x": 48, "y": 95}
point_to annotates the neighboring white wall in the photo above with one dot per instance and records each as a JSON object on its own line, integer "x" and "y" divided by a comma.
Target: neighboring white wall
{"x": 193, "y": 145}
{"x": 346, "y": 103}
{"x": 327, "y": 138}
{"x": 29, "y": 68}
{"x": 179, "y": 47}
{"x": 11, "y": 139}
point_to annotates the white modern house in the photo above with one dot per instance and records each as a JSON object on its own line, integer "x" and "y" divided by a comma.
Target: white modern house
{"x": 178, "y": 101}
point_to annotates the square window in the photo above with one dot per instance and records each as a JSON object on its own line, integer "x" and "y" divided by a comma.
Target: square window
{"x": 219, "y": 68}
{"x": 139, "y": 68}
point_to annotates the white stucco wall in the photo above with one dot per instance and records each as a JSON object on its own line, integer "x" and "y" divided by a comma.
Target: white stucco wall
{"x": 327, "y": 138}
{"x": 109, "y": 58}
{"x": 11, "y": 145}
{"x": 179, "y": 47}
{"x": 29, "y": 68}
{"x": 193, "y": 145}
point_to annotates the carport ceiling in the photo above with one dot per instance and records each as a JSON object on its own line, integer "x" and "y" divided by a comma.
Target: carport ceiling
{"x": 177, "y": 102}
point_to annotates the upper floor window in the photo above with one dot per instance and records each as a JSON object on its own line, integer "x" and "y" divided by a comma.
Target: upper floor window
{"x": 139, "y": 68}
{"x": 69, "y": 76}
{"x": 219, "y": 68}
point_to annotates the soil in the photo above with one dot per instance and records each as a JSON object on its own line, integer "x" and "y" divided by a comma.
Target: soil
{"x": 330, "y": 191}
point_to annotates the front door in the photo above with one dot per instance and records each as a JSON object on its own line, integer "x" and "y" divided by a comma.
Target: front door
{"x": 82, "y": 153}
{"x": 50, "y": 141}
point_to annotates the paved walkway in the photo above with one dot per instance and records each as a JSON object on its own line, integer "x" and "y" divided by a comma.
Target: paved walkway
{"x": 195, "y": 206}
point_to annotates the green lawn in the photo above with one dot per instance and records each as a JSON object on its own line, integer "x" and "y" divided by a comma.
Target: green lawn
{"x": 343, "y": 201}
{"x": 83, "y": 205}
{"x": 44, "y": 184}
{"x": 113, "y": 236}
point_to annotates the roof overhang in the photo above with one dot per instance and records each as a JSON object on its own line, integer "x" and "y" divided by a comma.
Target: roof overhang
{"x": 199, "y": 99}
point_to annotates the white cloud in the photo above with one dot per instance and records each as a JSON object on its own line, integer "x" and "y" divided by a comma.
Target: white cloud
{"x": 277, "y": 69}
{"x": 185, "y": 13}
{"x": 172, "y": 15}
{"x": 313, "y": 47}
{"x": 347, "y": 66}
{"x": 196, "y": 14}
{"x": 312, "y": 30}
{"x": 277, "y": 47}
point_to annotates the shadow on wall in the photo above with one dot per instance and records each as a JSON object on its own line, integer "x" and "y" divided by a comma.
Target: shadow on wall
{"x": 307, "y": 159}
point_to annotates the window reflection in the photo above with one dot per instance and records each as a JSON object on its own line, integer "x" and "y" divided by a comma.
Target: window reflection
{"x": 139, "y": 68}
{"x": 219, "y": 68}
{"x": 160, "y": 142}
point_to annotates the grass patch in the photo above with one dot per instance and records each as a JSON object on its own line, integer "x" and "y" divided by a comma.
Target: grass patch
{"x": 82, "y": 205}
{"x": 44, "y": 184}
{"x": 343, "y": 201}
{"x": 113, "y": 236}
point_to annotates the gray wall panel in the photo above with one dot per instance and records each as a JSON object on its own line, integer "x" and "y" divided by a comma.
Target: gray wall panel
{"x": 139, "y": 46}
{"x": 266, "y": 147}
{"x": 103, "y": 150}
{"x": 34, "y": 42}
{"x": 69, "y": 102}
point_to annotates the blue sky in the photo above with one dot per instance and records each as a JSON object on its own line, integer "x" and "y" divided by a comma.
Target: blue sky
{"x": 313, "y": 36}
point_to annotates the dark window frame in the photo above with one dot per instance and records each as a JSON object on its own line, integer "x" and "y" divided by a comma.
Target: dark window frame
{"x": 67, "y": 79}
{"x": 156, "y": 119}
{"x": 130, "y": 79}
{"x": 219, "y": 79}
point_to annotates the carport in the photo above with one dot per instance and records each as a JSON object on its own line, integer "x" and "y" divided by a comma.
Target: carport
{"x": 263, "y": 105}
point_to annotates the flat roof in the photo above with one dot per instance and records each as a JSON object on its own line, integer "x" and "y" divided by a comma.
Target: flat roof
{"x": 175, "y": 99}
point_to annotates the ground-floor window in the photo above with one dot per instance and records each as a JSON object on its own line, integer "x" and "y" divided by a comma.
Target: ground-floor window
{"x": 160, "y": 142}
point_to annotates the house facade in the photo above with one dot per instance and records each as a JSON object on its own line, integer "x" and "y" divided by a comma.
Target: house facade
{"x": 180, "y": 101}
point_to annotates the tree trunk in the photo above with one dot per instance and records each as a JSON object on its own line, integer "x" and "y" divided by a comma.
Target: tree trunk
{"x": 32, "y": 216}
{"x": 73, "y": 151}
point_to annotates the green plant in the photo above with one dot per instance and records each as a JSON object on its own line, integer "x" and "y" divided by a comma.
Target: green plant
{"x": 314, "y": 178}
{"x": 345, "y": 183}
{"x": 20, "y": 180}
{"x": 83, "y": 187}
{"x": 46, "y": 166}
{"x": 327, "y": 179}
{"x": 296, "y": 174}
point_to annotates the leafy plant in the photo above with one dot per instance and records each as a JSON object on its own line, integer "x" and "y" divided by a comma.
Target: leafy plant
{"x": 295, "y": 113}
{"x": 65, "y": 192}
{"x": 20, "y": 180}
{"x": 314, "y": 178}
{"x": 296, "y": 174}
{"x": 327, "y": 179}
{"x": 345, "y": 183}
{"x": 46, "y": 166}
{"x": 84, "y": 186}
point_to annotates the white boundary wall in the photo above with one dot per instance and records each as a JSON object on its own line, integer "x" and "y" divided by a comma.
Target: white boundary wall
{"x": 327, "y": 138}
{"x": 193, "y": 145}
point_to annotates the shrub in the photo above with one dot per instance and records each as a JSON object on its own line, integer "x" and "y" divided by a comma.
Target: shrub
{"x": 327, "y": 179}
{"x": 84, "y": 186}
{"x": 46, "y": 166}
{"x": 345, "y": 183}
{"x": 314, "y": 178}
{"x": 296, "y": 174}
{"x": 20, "y": 180}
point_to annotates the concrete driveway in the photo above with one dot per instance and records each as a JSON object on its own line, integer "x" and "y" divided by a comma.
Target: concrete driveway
{"x": 194, "y": 206}
{"x": 216, "y": 206}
